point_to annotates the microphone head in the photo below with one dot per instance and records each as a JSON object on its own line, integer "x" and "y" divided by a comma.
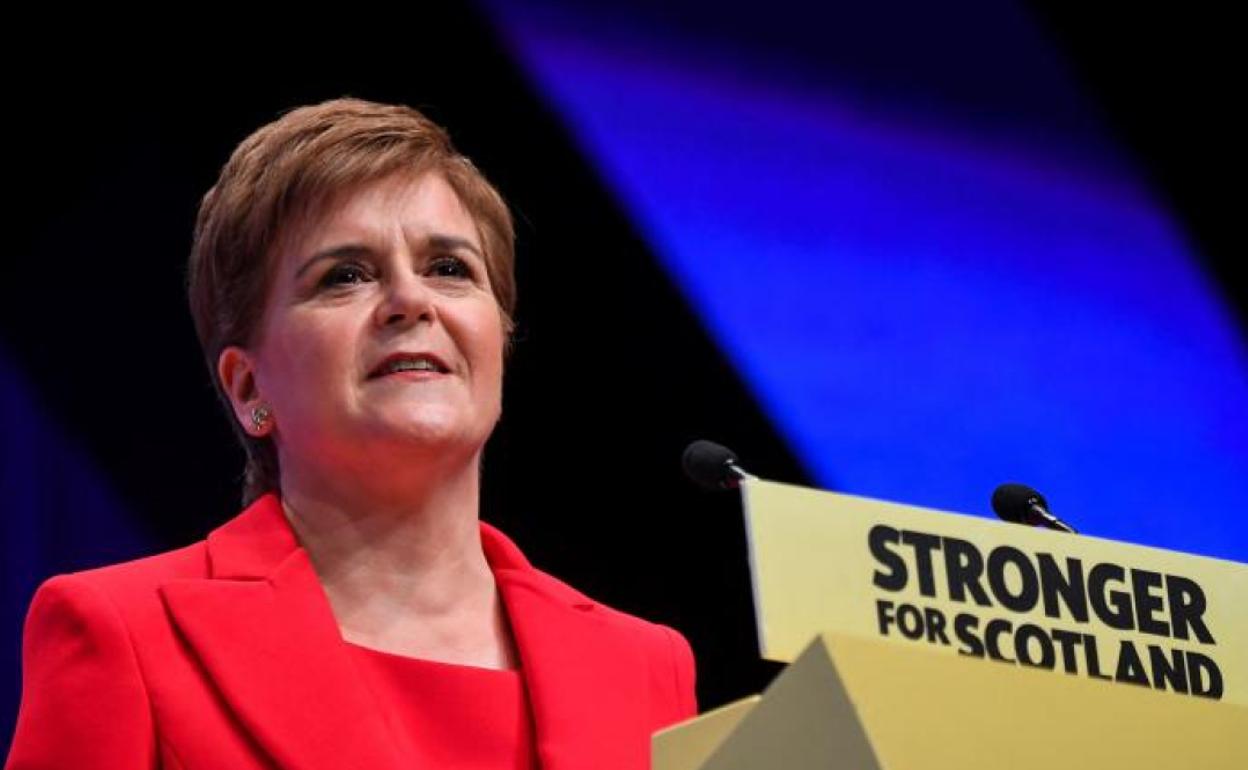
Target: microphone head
{"x": 709, "y": 465}
{"x": 1013, "y": 502}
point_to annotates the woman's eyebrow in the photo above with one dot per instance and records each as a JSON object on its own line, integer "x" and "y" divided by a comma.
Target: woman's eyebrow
{"x": 452, "y": 242}
{"x": 334, "y": 252}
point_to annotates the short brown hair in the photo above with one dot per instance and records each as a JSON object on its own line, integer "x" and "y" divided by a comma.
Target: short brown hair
{"x": 291, "y": 168}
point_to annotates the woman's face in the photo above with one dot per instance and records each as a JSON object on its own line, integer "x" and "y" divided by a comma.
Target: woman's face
{"x": 382, "y": 341}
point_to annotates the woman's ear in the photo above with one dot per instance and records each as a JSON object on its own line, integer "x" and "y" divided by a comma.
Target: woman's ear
{"x": 237, "y": 373}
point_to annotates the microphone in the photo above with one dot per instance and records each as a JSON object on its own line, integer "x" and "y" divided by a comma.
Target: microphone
{"x": 1021, "y": 504}
{"x": 712, "y": 466}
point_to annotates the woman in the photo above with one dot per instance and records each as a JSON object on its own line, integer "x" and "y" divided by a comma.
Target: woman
{"x": 351, "y": 283}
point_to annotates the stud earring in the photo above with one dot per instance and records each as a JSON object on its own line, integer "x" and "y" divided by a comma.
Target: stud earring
{"x": 260, "y": 417}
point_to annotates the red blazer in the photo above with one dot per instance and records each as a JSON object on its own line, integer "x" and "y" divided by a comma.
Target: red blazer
{"x": 225, "y": 654}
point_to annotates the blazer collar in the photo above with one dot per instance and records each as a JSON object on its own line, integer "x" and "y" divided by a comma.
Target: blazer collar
{"x": 263, "y": 628}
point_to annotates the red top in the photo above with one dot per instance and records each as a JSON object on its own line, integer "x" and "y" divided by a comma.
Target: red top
{"x": 449, "y": 715}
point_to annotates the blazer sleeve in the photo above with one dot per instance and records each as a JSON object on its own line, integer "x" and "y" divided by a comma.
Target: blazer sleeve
{"x": 84, "y": 703}
{"x": 683, "y": 671}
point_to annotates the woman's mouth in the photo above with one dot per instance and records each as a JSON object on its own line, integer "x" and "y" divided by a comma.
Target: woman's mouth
{"x": 409, "y": 362}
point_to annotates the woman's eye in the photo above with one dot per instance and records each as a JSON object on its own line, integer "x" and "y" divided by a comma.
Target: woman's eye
{"x": 344, "y": 275}
{"x": 450, "y": 267}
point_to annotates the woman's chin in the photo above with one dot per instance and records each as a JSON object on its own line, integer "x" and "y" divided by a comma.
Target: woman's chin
{"x": 429, "y": 434}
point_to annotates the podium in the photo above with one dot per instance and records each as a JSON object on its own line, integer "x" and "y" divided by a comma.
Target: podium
{"x": 923, "y": 639}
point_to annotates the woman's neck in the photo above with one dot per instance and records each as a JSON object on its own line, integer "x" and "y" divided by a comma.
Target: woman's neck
{"x": 402, "y": 565}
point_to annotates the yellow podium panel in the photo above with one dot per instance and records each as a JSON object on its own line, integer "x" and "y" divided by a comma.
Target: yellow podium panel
{"x": 1012, "y": 600}
{"x": 851, "y": 702}
{"x": 691, "y": 743}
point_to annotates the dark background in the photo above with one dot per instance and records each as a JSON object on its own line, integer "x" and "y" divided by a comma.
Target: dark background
{"x": 114, "y": 132}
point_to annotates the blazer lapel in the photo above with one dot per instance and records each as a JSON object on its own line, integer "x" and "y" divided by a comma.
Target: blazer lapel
{"x": 264, "y": 631}
{"x": 588, "y": 701}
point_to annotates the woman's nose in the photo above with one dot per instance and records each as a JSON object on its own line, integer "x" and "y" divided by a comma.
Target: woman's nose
{"x": 406, "y": 300}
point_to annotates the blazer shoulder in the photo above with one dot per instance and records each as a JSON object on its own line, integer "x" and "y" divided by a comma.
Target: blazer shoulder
{"x": 131, "y": 584}
{"x": 672, "y": 663}
{"x": 84, "y": 700}
{"x": 89, "y": 639}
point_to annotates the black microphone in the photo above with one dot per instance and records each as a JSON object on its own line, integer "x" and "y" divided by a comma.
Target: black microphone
{"x": 1021, "y": 504}
{"x": 712, "y": 466}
